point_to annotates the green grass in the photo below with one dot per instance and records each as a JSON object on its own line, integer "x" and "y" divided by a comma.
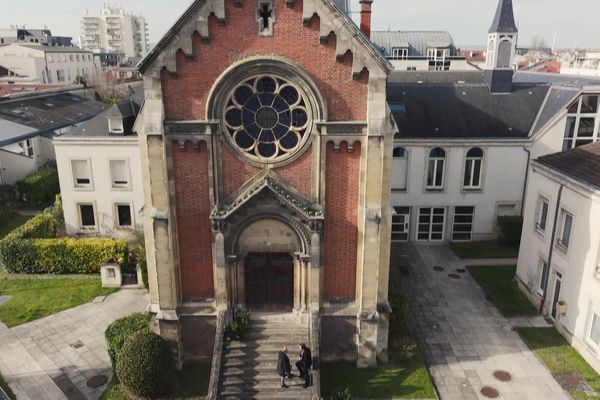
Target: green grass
{"x": 402, "y": 379}
{"x": 560, "y": 357}
{"x": 499, "y": 284}
{"x": 192, "y": 384}
{"x": 488, "y": 249}
{"x": 6, "y": 388}
{"x": 17, "y": 221}
{"x": 34, "y": 298}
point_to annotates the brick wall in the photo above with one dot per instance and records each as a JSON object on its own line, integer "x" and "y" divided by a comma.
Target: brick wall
{"x": 186, "y": 94}
{"x": 341, "y": 219}
{"x": 193, "y": 221}
{"x": 299, "y": 173}
{"x": 235, "y": 172}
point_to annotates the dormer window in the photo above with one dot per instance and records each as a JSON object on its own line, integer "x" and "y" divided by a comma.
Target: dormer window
{"x": 115, "y": 126}
{"x": 399, "y": 53}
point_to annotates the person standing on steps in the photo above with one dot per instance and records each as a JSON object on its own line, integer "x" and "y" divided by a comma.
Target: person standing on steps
{"x": 304, "y": 364}
{"x": 284, "y": 368}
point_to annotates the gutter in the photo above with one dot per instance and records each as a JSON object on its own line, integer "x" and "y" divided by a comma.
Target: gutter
{"x": 551, "y": 250}
{"x": 526, "y": 182}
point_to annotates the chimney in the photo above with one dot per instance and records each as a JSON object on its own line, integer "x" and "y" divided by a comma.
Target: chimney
{"x": 365, "y": 17}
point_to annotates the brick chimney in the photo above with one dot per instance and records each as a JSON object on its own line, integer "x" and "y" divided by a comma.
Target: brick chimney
{"x": 365, "y": 17}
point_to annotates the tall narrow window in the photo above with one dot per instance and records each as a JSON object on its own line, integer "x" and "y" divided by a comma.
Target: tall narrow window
{"x": 400, "y": 224}
{"x": 544, "y": 275}
{"x": 462, "y": 227}
{"x": 473, "y": 164}
{"x": 595, "y": 330}
{"x": 82, "y": 176}
{"x": 399, "y": 169}
{"x": 87, "y": 216}
{"x": 582, "y": 122}
{"x": 565, "y": 232}
{"x": 542, "y": 215}
{"x": 124, "y": 215}
{"x": 431, "y": 224}
{"x": 435, "y": 170}
{"x": 119, "y": 173}
{"x": 27, "y": 146}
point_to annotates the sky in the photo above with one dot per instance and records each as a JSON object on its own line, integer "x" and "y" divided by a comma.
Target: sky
{"x": 575, "y": 22}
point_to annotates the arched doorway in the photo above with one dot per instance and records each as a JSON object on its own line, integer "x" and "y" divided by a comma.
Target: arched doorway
{"x": 270, "y": 271}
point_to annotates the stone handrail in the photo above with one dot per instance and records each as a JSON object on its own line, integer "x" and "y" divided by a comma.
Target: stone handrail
{"x": 315, "y": 333}
{"x": 215, "y": 369}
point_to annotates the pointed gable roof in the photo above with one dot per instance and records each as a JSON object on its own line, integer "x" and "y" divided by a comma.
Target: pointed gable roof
{"x": 504, "y": 20}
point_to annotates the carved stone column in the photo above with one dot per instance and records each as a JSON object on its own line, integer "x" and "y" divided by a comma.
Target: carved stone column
{"x": 314, "y": 281}
{"x": 220, "y": 267}
{"x": 298, "y": 287}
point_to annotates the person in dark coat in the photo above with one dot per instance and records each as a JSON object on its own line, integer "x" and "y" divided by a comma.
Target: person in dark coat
{"x": 284, "y": 368}
{"x": 304, "y": 364}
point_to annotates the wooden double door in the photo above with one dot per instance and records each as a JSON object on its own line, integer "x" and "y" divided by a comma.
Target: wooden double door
{"x": 269, "y": 281}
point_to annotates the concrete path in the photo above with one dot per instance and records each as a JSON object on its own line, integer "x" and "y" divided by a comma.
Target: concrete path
{"x": 463, "y": 337}
{"x": 52, "y": 358}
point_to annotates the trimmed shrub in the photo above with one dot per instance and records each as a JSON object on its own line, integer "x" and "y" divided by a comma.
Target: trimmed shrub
{"x": 146, "y": 366}
{"x": 40, "y": 187}
{"x": 60, "y": 256}
{"x": 41, "y": 226}
{"x": 122, "y": 329}
{"x": 510, "y": 230}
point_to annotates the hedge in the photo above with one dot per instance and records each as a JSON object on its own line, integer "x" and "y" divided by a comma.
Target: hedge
{"x": 40, "y": 187}
{"x": 60, "y": 256}
{"x": 41, "y": 226}
{"x": 122, "y": 329}
{"x": 510, "y": 230}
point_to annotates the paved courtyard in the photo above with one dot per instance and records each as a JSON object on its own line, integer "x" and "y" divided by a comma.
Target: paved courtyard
{"x": 52, "y": 358}
{"x": 463, "y": 337}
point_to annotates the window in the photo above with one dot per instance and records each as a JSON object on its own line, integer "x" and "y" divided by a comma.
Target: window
{"x": 411, "y": 68}
{"x": 595, "y": 330}
{"x": 119, "y": 173}
{"x": 399, "y": 169}
{"x": 431, "y": 224}
{"x": 78, "y": 57}
{"x": 566, "y": 225}
{"x": 87, "y": 216}
{"x": 82, "y": 176}
{"x": 473, "y": 164}
{"x": 398, "y": 107}
{"x": 60, "y": 75}
{"x": 545, "y": 274}
{"x": 71, "y": 57}
{"x": 462, "y": 227}
{"x": 124, "y": 215}
{"x": 582, "y": 121}
{"x": 27, "y": 146}
{"x": 399, "y": 53}
{"x": 435, "y": 169}
{"x": 542, "y": 215}
{"x": 400, "y": 224}
{"x": 504, "y": 53}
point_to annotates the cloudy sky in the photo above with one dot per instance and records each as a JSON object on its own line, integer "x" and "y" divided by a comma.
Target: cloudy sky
{"x": 575, "y": 22}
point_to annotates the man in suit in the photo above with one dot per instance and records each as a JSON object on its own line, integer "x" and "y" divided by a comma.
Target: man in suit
{"x": 304, "y": 364}
{"x": 284, "y": 368}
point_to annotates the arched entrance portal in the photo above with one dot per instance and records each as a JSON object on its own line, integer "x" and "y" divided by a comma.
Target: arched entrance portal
{"x": 270, "y": 273}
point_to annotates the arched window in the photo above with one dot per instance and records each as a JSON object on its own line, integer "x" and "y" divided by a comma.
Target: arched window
{"x": 473, "y": 164}
{"x": 399, "y": 168}
{"x": 504, "y": 53}
{"x": 435, "y": 170}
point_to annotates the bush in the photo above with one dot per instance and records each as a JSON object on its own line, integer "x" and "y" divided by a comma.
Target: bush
{"x": 40, "y": 188}
{"x": 41, "y": 226}
{"x": 510, "y": 230}
{"x": 7, "y": 213}
{"x": 341, "y": 394}
{"x": 146, "y": 366}
{"x": 60, "y": 256}
{"x": 122, "y": 329}
{"x": 8, "y": 195}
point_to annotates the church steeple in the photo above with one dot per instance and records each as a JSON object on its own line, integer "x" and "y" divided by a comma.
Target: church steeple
{"x": 501, "y": 48}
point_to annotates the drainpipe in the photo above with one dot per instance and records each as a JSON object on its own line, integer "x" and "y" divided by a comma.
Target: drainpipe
{"x": 551, "y": 251}
{"x": 526, "y": 180}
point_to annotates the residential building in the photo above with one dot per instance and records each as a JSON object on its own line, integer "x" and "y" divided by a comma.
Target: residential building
{"x": 115, "y": 31}
{"x": 46, "y": 64}
{"x": 586, "y": 63}
{"x": 420, "y": 51}
{"x": 33, "y": 36}
{"x": 559, "y": 258}
{"x": 29, "y": 122}
{"x": 100, "y": 173}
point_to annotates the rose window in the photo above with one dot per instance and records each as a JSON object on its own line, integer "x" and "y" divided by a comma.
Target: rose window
{"x": 266, "y": 119}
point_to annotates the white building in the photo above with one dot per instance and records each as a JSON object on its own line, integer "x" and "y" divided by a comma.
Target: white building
{"x": 115, "y": 31}
{"x": 559, "y": 259}
{"x": 46, "y": 64}
{"x": 100, "y": 174}
{"x": 586, "y": 64}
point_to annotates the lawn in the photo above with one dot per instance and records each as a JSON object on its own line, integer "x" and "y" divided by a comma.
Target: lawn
{"x": 37, "y": 297}
{"x": 7, "y": 390}
{"x": 17, "y": 221}
{"x": 192, "y": 384}
{"x": 560, "y": 357}
{"x": 488, "y": 249}
{"x": 499, "y": 285}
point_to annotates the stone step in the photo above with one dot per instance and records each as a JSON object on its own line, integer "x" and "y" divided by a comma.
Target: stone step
{"x": 266, "y": 346}
{"x": 267, "y": 396}
{"x": 258, "y": 336}
{"x": 274, "y": 389}
{"x": 245, "y": 365}
{"x": 279, "y": 329}
{"x": 277, "y": 317}
{"x": 256, "y": 352}
{"x": 259, "y": 375}
{"x": 269, "y": 382}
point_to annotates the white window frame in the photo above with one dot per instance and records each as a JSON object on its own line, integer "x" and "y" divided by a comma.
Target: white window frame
{"x": 27, "y": 146}
{"x": 117, "y": 222}
{"x": 82, "y": 186}
{"x": 88, "y": 228}
{"x": 128, "y": 172}
{"x": 430, "y": 224}
{"x": 544, "y": 269}
{"x": 436, "y": 165}
{"x": 540, "y": 212}
{"x": 593, "y": 313}
{"x": 472, "y": 162}
{"x": 560, "y": 241}
{"x": 577, "y": 117}
{"x": 455, "y": 223}
{"x": 405, "y": 225}
{"x": 397, "y": 163}
{"x": 399, "y": 53}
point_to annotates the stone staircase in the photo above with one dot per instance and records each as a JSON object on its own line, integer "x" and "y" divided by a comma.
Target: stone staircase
{"x": 248, "y": 369}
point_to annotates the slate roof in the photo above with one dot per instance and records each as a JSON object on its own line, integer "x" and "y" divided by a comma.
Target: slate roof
{"x": 581, "y": 163}
{"x": 504, "y": 20}
{"x": 417, "y": 42}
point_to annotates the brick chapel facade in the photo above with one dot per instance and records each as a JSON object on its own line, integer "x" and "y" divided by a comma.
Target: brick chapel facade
{"x": 266, "y": 146}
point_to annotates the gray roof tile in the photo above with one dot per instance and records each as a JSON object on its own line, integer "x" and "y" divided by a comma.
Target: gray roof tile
{"x": 504, "y": 20}
{"x": 581, "y": 163}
